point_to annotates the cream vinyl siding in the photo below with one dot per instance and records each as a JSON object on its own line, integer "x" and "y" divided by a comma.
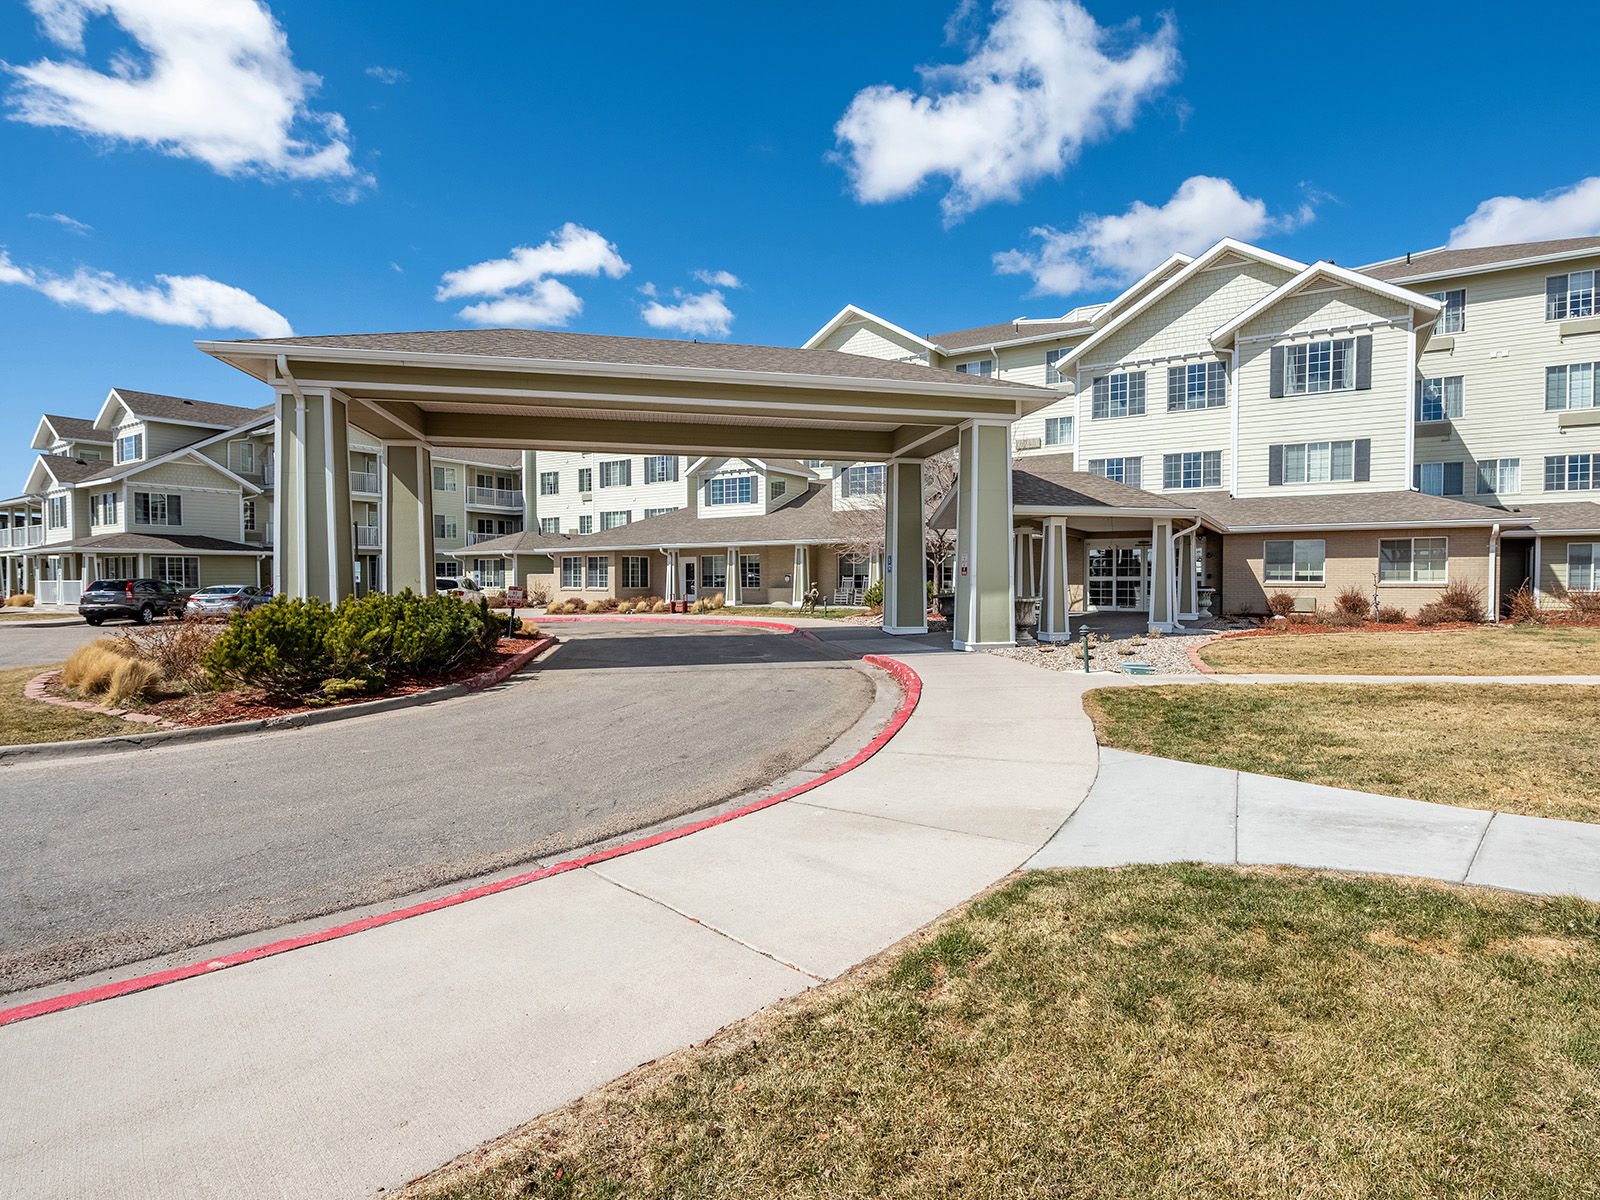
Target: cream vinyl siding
{"x": 635, "y": 497}
{"x": 1501, "y": 356}
{"x": 1025, "y": 364}
{"x": 731, "y": 468}
{"x": 1156, "y": 433}
{"x": 1182, "y": 321}
{"x": 161, "y": 437}
{"x": 873, "y": 341}
{"x": 1381, "y": 413}
{"x": 213, "y": 513}
{"x": 451, "y": 506}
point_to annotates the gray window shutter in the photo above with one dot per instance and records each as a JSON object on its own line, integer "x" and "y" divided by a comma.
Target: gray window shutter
{"x": 1276, "y": 389}
{"x": 1176, "y": 390}
{"x": 1555, "y": 297}
{"x": 174, "y": 510}
{"x": 1363, "y": 456}
{"x": 1452, "y": 479}
{"x": 1275, "y": 462}
{"x": 1171, "y": 470}
{"x": 1364, "y": 362}
{"x": 1416, "y": 478}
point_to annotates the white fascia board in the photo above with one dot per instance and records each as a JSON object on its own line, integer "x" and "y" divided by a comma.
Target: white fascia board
{"x": 1129, "y": 293}
{"x": 1509, "y": 264}
{"x": 851, "y": 313}
{"x": 39, "y": 465}
{"x": 1416, "y": 301}
{"x": 1022, "y": 341}
{"x": 102, "y": 419}
{"x": 44, "y": 427}
{"x": 1311, "y": 526}
{"x": 1099, "y": 510}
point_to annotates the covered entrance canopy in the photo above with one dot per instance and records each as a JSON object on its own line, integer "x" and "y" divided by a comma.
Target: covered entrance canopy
{"x": 543, "y": 390}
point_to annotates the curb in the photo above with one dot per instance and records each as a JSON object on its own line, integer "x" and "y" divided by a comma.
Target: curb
{"x": 1194, "y": 656}
{"x": 57, "y": 622}
{"x": 684, "y": 619}
{"x": 911, "y": 686}
{"x": 92, "y": 747}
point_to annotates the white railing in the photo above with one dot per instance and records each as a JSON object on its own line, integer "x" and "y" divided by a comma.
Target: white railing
{"x": 483, "y": 497}
{"x": 369, "y": 537}
{"x": 474, "y": 537}
{"x": 366, "y": 482}
{"x": 23, "y": 535}
{"x": 57, "y": 591}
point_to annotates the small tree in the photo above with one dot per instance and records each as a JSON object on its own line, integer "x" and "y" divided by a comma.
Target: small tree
{"x": 863, "y": 522}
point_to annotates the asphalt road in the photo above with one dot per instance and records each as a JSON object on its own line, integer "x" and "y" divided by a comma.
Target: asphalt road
{"x": 110, "y": 860}
{"x": 44, "y": 646}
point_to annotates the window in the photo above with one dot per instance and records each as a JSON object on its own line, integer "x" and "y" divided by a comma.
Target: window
{"x": 586, "y": 524}
{"x": 861, "y": 481}
{"x": 247, "y": 457}
{"x": 444, "y": 479}
{"x": 616, "y": 472}
{"x": 714, "y": 571}
{"x": 180, "y": 572}
{"x": 813, "y": 463}
{"x": 854, "y": 571}
{"x": 1582, "y": 558}
{"x": 1413, "y": 560}
{"x": 1058, "y": 431}
{"x": 446, "y": 570}
{"x": 1123, "y": 470}
{"x": 130, "y": 447}
{"x": 444, "y": 527}
{"x": 586, "y": 479}
{"x": 776, "y": 488}
{"x": 1569, "y": 472}
{"x": 730, "y": 489}
{"x": 94, "y": 510}
{"x": 749, "y": 570}
{"x": 661, "y": 468}
{"x": 58, "y": 512}
{"x": 658, "y": 512}
{"x": 1192, "y": 469}
{"x": 249, "y": 516}
{"x": 1319, "y": 462}
{"x": 549, "y": 483}
{"x": 635, "y": 572}
{"x": 1197, "y": 385}
{"x": 1569, "y": 296}
{"x": 978, "y": 366}
{"x": 615, "y": 520}
{"x": 1499, "y": 476}
{"x": 1569, "y": 387}
{"x": 1454, "y": 317}
{"x": 154, "y": 508}
{"x": 1437, "y": 479}
{"x": 1118, "y": 396}
{"x": 1439, "y": 399}
{"x": 571, "y": 571}
{"x": 1303, "y": 561}
{"x": 1319, "y": 367}
{"x": 598, "y": 574}
{"x": 1052, "y": 366}
{"x": 549, "y": 524}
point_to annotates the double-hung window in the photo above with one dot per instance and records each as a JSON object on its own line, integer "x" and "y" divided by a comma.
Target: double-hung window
{"x": 58, "y": 512}
{"x": 714, "y": 571}
{"x": 1319, "y": 367}
{"x": 586, "y": 479}
{"x": 155, "y": 508}
{"x": 549, "y": 483}
{"x": 1438, "y": 478}
{"x": 1192, "y": 469}
{"x": 615, "y": 520}
{"x": 599, "y": 572}
{"x": 861, "y": 481}
{"x": 1570, "y": 295}
{"x": 658, "y": 512}
{"x": 444, "y": 527}
{"x": 635, "y": 571}
{"x": 549, "y": 524}
{"x": 1119, "y": 395}
{"x": 1122, "y": 470}
{"x": 1454, "y": 317}
{"x": 616, "y": 472}
{"x": 661, "y": 468}
{"x": 1300, "y": 561}
{"x": 130, "y": 447}
{"x": 572, "y": 571}
{"x": 444, "y": 479}
{"x": 731, "y": 489}
{"x": 1197, "y": 385}
{"x": 1439, "y": 399}
{"x": 978, "y": 366}
{"x": 1499, "y": 476}
{"x": 1569, "y": 387}
{"x": 1583, "y": 566}
{"x": 749, "y": 570}
{"x": 1413, "y": 560}
{"x": 1058, "y": 431}
{"x": 586, "y": 523}
{"x": 249, "y": 516}
{"x": 1052, "y": 366}
{"x": 180, "y": 572}
{"x": 1570, "y": 472}
{"x": 1318, "y": 462}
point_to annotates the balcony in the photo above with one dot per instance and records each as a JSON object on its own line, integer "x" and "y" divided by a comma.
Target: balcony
{"x": 474, "y": 537}
{"x": 369, "y": 537}
{"x": 21, "y": 537}
{"x": 482, "y": 497}
{"x": 366, "y": 482}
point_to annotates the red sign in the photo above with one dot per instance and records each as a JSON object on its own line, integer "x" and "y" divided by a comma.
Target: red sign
{"x": 513, "y": 596}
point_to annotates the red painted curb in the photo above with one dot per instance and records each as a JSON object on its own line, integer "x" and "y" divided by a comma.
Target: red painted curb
{"x": 910, "y": 682}
{"x": 1194, "y": 657}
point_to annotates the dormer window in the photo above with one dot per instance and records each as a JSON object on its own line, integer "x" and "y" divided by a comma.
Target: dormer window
{"x": 730, "y": 489}
{"x": 130, "y": 447}
{"x": 862, "y": 481}
{"x": 978, "y": 366}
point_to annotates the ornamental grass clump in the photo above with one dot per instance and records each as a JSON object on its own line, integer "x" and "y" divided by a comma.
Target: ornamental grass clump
{"x": 19, "y": 600}
{"x": 109, "y": 668}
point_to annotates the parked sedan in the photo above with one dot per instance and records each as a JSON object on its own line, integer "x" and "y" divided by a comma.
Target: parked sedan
{"x": 223, "y": 600}
{"x": 141, "y": 600}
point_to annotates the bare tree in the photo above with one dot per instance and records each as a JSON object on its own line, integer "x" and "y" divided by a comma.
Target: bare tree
{"x": 863, "y": 523}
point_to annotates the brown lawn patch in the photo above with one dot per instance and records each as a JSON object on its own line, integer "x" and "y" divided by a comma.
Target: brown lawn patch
{"x": 1493, "y": 650}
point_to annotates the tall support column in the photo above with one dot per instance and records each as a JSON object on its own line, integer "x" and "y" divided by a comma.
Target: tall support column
{"x": 1162, "y": 578}
{"x": 905, "y": 540}
{"x": 530, "y": 490}
{"x": 731, "y": 592}
{"x": 1188, "y": 594}
{"x": 1054, "y": 622}
{"x": 315, "y": 552}
{"x": 670, "y": 592}
{"x": 801, "y": 576}
{"x": 406, "y": 513}
{"x": 986, "y": 611}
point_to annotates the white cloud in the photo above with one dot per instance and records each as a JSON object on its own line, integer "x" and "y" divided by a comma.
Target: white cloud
{"x": 388, "y": 76}
{"x": 215, "y": 82}
{"x": 1563, "y": 213}
{"x": 692, "y": 312}
{"x": 66, "y": 222}
{"x": 1113, "y": 250}
{"x": 192, "y": 300}
{"x": 520, "y": 289}
{"x": 1039, "y": 84}
{"x": 719, "y": 279}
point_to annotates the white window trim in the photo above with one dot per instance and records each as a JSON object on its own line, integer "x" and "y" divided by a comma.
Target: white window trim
{"x": 1414, "y": 581}
{"x": 1294, "y": 564}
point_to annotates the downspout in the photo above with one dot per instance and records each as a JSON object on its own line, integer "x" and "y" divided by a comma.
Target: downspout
{"x": 1173, "y": 597}
{"x": 1494, "y": 574}
{"x": 1233, "y": 449}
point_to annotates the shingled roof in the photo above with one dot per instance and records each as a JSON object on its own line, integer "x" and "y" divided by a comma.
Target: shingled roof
{"x": 988, "y": 335}
{"x": 1344, "y": 508}
{"x": 1445, "y": 261}
{"x": 1582, "y": 516}
{"x": 157, "y": 407}
{"x": 77, "y": 429}
{"x": 1049, "y": 481}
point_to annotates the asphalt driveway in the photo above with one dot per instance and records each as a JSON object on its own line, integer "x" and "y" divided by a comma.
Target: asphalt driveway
{"x": 42, "y": 645}
{"x": 115, "y": 859}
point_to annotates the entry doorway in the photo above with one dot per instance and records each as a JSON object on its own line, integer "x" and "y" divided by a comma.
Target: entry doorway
{"x": 689, "y": 580}
{"x": 1118, "y": 575}
{"x": 1516, "y": 569}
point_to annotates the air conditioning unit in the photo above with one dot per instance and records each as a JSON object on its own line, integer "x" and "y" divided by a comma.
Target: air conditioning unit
{"x": 585, "y": 497}
{"x": 1305, "y": 604}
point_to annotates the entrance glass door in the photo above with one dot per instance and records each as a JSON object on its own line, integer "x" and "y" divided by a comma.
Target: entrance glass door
{"x": 1118, "y": 576}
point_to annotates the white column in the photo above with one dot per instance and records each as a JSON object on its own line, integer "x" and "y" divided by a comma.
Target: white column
{"x": 801, "y": 576}
{"x": 1188, "y": 597}
{"x": 1163, "y": 577}
{"x": 1054, "y": 597}
{"x": 670, "y": 593}
{"x": 731, "y": 592}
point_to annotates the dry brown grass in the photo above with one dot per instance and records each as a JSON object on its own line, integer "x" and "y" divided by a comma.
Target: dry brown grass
{"x": 24, "y": 721}
{"x": 160, "y": 659}
{"x": 19, "y": 600}
{"x": 1523, "y": 650}
{"x": 1513, "y": 748}
{"x": 1124, "y": 1034}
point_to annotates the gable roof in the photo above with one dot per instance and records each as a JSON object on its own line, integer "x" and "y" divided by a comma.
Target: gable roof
{"x": 851, "y": 313}
{"x": 67, "y": 429}
{"x": 1050, "y": 481}
{"x": 1377, "y": 510}
{"x": 1443, "y": 261}
{"x": 153, "y": 406}
{"x": 1006, "y": 333}
{"x": 1164, "y": 270}
{"x": 783, "y": 466}
{"x": 1417, "y": 302}
{"x": 1579, "y": 516}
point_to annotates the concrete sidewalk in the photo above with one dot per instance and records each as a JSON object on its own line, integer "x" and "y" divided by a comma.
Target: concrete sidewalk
{"x": 350, "y": 1066}
{"x": 1154, "y": 810}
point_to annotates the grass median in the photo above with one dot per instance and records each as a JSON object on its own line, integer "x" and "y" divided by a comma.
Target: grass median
{"x": 1523, "y": 748}
{"x": 1146, "y": 1032}
{"x": 1517, "y": 650}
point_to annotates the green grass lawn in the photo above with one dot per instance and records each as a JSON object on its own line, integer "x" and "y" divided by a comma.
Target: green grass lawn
{"x": 1522, "y": 748}
{"x": 24, "y": 721}
{"x": 1512, "y": 650}
{"x": 1172, "y": 1032}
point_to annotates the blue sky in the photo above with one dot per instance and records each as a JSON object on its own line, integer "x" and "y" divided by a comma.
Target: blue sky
{"x": 366, "y": 159}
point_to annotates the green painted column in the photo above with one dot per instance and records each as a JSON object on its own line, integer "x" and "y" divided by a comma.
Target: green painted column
{"x": 407, "y": 517}
{"x": 985, "y": 591}
{"x": 1161, "y": 576}
{"x": 905, "y": 541}
{"x": 1054, "y": 624}
{"x": 1188, "y": 599}
{"x": 315, "y": 552}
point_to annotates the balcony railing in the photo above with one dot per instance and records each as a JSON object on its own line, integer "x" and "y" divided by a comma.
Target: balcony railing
{"x": 21, "y": 536}
{"x": 369, "y": 537}
{"x": 366, "y": 482}
{"x": 482, "y": 497}
{"x": 474, "y": 537}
